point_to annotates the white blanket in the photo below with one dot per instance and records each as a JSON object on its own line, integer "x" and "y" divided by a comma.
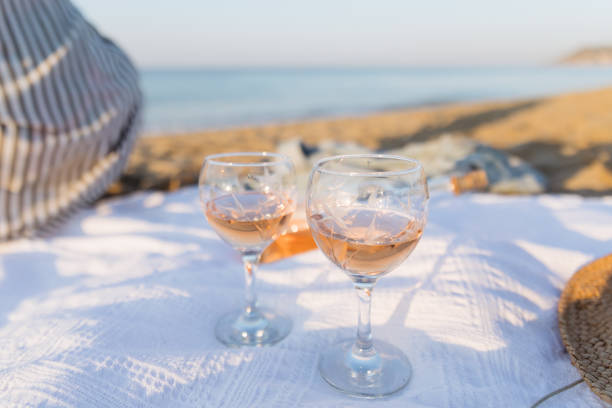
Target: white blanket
{"x": 118, "y": 309}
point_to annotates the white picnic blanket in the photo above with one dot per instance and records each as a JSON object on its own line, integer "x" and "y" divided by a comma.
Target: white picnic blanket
{"x": 118, "y": 309}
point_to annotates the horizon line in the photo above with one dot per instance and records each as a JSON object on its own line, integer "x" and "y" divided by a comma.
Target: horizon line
{"x": 339, "y": 66}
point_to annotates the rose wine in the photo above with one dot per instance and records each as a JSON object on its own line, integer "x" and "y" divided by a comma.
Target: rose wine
{"x": 363, "y": 241}
{"x": 249, "y": 221}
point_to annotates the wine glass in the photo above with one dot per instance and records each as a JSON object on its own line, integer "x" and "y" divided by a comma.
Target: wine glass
{"x": 366, "y": 213}
{"x": 248, "y": 199}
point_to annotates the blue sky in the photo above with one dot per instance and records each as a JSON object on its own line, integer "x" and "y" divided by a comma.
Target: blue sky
{"x": 183, "y": 33}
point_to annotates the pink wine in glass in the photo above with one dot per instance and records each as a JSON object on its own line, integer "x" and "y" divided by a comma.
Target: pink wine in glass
{"x": 366, "y": 213}
{"x": 248, "y": 199}
{"x": 366, "y": 242}
{"x": 249, "y": 220}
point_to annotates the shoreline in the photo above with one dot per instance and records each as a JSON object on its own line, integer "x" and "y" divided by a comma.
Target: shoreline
{"x": 316, "y": 118}
{"x": 354, "y": 114}
{"x": 568, "y": 137}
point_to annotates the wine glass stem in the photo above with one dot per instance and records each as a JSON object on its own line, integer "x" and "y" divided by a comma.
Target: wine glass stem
{"x": 250, "y": 261}
{"x": 363, "y": 344}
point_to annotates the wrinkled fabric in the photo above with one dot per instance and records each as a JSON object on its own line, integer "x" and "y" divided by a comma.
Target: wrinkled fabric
{"x": 118, "y": 309}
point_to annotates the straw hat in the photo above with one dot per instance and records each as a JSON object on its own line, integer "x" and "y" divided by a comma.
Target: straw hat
{"x": 585, "y": 322}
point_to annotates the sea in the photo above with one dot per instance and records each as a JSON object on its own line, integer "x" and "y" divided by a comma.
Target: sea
{"x": 179, "y": 100}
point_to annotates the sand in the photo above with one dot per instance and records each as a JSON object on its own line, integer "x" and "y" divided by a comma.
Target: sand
{"x": 568, "y": 137}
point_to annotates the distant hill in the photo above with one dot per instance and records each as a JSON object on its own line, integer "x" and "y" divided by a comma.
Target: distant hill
{"x": 590, "y": 56}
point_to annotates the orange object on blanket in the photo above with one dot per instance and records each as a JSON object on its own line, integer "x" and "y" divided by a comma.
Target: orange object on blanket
{"x": 296, "y": 240}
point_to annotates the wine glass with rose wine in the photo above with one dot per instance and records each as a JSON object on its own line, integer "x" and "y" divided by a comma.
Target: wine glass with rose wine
{"x": 366, "y": 213}
{"x": 248, "y": 199}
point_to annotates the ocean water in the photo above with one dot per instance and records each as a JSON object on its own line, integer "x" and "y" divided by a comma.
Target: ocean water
{"x": 185, "y": 100}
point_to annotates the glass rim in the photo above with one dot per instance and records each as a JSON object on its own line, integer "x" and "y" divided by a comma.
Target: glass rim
{"x": 418, "y": 167}
{"x": 213, "y": 158}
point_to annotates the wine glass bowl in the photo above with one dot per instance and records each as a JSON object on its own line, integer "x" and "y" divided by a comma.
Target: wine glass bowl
{"x": 248, "y": 199}
{"x": 366, "y": 213}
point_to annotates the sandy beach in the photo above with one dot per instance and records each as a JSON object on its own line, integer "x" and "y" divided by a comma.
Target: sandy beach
{"x": 567, "y": 137}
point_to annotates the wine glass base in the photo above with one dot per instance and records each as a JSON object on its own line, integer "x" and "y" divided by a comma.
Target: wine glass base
{"x": 262, "y": 327}
{"x": 384, "y": 374}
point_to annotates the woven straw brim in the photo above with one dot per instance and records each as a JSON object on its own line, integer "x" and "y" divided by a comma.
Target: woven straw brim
{"x": 585, "y": 322}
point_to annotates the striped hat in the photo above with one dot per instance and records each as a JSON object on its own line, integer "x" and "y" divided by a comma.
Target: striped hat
{"x": 69, "y": 112}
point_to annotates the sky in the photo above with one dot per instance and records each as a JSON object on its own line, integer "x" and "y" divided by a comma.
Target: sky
{"x": 198, "y": 33}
